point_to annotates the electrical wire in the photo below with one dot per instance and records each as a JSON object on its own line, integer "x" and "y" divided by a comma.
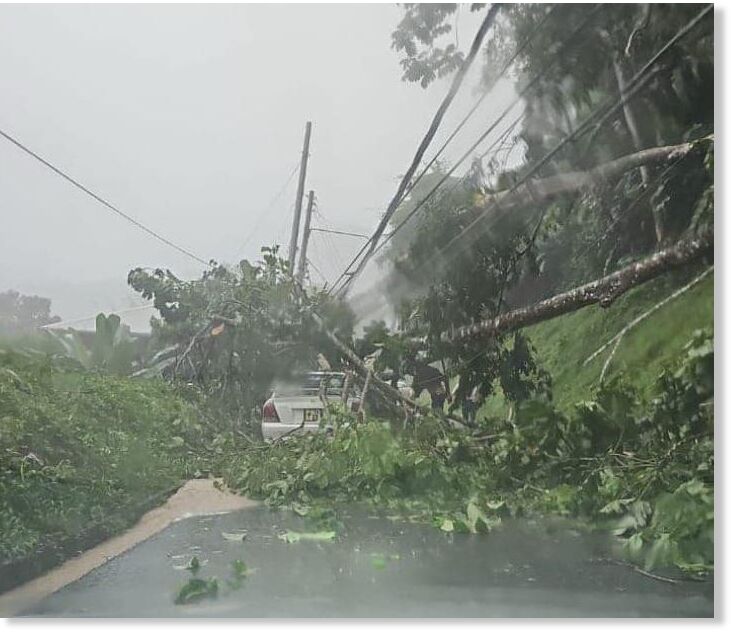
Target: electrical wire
{"x": 317, "y": 270}
{"x": 565, "y": 44}
{"x": 265, "y": 212}
{"x": 445, "y": 194}
{"x": 528, "y": 39}
{"x": 51, "y": 326}
{"x": 101, "y": 200}
{"x": 432, "y": 130}
{"x": 604, "y": 111}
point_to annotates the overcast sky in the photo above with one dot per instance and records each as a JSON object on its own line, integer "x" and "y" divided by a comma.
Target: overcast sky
{"x": 190, "y": 118}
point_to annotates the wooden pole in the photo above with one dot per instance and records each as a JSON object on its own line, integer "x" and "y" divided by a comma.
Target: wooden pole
{"x": 302, "y": 266}
{"x": 299, "y": 196}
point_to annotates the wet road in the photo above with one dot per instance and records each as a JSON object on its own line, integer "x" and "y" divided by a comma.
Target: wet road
{"x": 373, "y": 568}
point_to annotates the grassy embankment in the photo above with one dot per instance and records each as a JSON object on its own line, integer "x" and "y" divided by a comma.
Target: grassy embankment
{"x": 83, "y": 453}
{"x": 564, "y": 344}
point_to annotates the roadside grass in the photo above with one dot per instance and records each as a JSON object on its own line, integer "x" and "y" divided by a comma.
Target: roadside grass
{"x": 564, "y": 344}
{"x": 83, "y": 451}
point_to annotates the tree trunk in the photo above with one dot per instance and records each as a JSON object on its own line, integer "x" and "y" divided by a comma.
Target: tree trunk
{"x": 602, "y": 291}
{"x": 387, "y": 391}
{"x": 634, "y": 132}
{"x": 538, "y": 191}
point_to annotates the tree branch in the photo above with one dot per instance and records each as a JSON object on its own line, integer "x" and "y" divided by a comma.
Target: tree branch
{"x": 602, "y": 291}
{"x": 436, "y": 121}
{"x": 535, "y": 191}
{"x": 386, "y": 390}
{"x": 618, "y": 337}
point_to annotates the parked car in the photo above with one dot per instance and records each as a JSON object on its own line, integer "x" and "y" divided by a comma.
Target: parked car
{"x": 298, "y": 405}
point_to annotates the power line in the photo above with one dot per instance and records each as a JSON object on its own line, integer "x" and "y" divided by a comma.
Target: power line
{"x": 331, "y": 249}
{"x": 101, "y": 200}
{"x": 528, "y": 39}
{"x": 327, "y": 238}
{"x": 50, "y": 326}
{"x": 317, "y": 270}
{"x": 466, "y": 154}
{"x": 268, "y": 208}
{"x": 315, "y": 228}
{"x": 604, "y": 111}
{"x": 281, "y": 235}
{"x": 500, "y": 140}
{"x": 431, "y": 131}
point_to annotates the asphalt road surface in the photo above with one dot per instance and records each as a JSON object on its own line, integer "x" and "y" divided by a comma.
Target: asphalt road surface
{"x": 374, "y": 567}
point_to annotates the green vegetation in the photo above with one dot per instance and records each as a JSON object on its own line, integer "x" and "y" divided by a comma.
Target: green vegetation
{"x": 82, "y": 450}
{"x": 645, "y": 471}
{"x": 235, "y": 329}
{"x": 198, "y": 589}
{"x": 564, "y": 344}
{"x": 111, "y": 348}
{"x": 82, "y": 444}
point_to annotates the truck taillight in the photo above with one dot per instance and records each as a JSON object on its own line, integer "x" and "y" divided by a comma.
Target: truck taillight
{"x": 269, "y": 412}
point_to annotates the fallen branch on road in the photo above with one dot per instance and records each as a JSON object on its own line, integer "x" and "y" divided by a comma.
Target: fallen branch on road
{"x": 386, "y": 390}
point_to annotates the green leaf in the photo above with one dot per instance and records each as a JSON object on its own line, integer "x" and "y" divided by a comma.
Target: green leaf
{"x": 634, "y": 545}
{"x": 296, "y": 537}
{"x": 300, "y": 509}
{"x": 176, "y": 442}
{"x": 660, "y": 552}
{"x": 239, "y": 568}
{"x": 196, "y": 589}
{"x": 473, "y": 513}
{"x": 447, "y": 525}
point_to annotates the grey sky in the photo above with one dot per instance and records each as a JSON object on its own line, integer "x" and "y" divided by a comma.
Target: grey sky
{"x": 190, "y": 118}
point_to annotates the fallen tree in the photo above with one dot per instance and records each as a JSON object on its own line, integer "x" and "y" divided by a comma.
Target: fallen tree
{"x": 389, "y": 393}
{"x": 543, "y": 190}
{"x": 617, "y": 338}
{"x": 602, "y": 291}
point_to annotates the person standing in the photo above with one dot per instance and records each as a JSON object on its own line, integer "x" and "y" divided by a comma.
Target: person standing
{"x": 434, "y": 381}
{"x": 471, "y": 404}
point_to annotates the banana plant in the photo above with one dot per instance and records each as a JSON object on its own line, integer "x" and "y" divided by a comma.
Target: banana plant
{"x": 112, "y": 348}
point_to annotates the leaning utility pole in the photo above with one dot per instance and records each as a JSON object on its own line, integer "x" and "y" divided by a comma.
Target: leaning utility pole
{"x": 302, "y": 266}
{"x": 298, "y": 199}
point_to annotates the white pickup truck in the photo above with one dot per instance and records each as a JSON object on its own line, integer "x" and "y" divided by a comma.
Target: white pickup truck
{"x": 299, "y": 404}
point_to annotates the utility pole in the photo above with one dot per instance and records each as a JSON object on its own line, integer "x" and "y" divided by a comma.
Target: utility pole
{"x": 298, "y": 199}
{"x": 302, "y": 267}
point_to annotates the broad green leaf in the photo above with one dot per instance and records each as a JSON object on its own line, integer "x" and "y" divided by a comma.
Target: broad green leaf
{"x": 196, "y": 589}
{"x": 296, "y": 537}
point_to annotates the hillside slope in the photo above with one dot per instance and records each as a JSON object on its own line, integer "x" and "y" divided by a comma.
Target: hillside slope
{"x": 564, "y": 344}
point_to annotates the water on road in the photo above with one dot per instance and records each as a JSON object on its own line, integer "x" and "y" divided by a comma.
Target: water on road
{"x": 374, "y": 567}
